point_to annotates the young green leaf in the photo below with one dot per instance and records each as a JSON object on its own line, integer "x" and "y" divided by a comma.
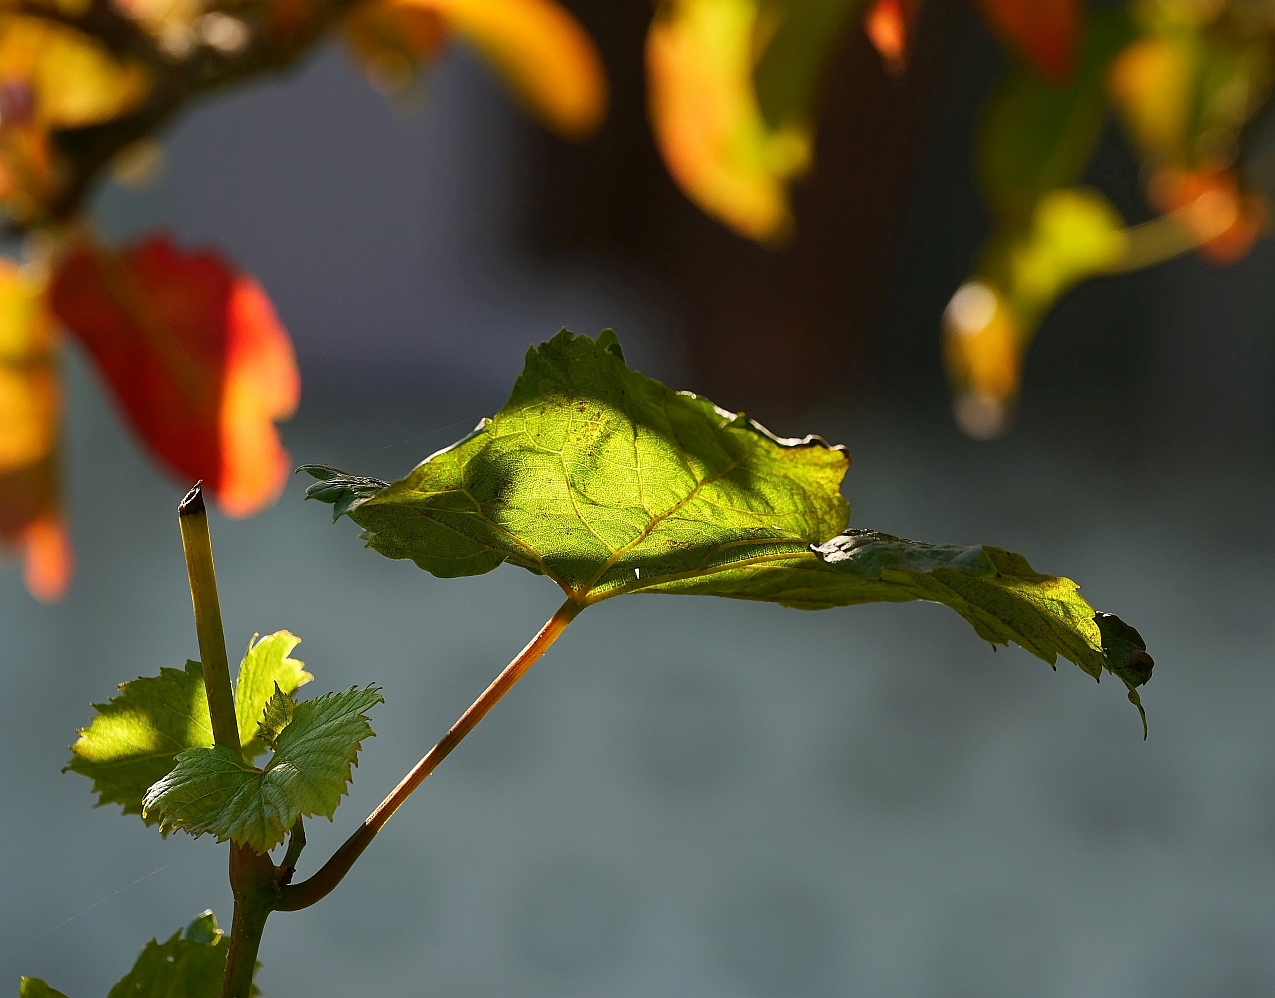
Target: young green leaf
{"x": 210, "y": 790}
{"x": 610, "y": 483}
{"x": 278, "y": 715}
{"x": 135, "y": 737}
{"x": 266, "y": 668}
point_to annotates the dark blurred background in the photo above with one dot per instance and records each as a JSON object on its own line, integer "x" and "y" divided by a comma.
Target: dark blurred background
{"x": 689, "y": 796}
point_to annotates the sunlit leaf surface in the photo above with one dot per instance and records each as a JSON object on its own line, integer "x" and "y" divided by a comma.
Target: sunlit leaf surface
{"x": 610, "y": 483}
{"x": 196, "y": 358}
{"x": 266, "y": 667}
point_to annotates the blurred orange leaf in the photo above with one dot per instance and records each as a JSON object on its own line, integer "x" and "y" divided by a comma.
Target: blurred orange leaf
{"x": 1045, "y": 32}
{"x": 30, "y": 410}
{"x": 52, "y": 76}
{"x": 540, "y": 49}
{"x": 75, "y": 80}
{"x": 890, "y": 26}
{"x": 732, "y": 84}
{"x": 1225, "y": 220}
{"x": 196, "y": 358}
{"x": 1150, "y": 83}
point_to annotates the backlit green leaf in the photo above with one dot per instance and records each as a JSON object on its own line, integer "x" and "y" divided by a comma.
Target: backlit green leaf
{"x": 265, "y": 666}
{"x": 604, "y": 479}
{"x": 210, "y": 790}
{"x": 610, "y": 483}
{"x": 135, "y": 738}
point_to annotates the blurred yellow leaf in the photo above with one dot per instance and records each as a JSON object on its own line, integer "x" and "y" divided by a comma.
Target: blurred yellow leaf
{"x": 540, "y": 49}
{"x": 732, "y": 87}
{"x": 30, "y": 407}
{"x": 74, "y": 80}
{"x": 983, "y": 354}
{"x": 1074, "y": 234}
{"x": 1150, "y": 84}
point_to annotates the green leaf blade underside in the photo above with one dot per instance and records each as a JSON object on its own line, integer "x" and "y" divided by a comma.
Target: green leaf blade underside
{"x": 602, "y": 478}
{"x": 135, "y": 737}
{"x": 212, "y": 791}
{"x": 997, "y": 591}
{"x": 265, "y": 665}
{"x": 610, "y": 483}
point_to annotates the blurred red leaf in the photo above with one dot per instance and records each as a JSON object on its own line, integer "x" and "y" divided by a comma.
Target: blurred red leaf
{"x": 1044, "y": 32}
{"x": 196, "y": 358}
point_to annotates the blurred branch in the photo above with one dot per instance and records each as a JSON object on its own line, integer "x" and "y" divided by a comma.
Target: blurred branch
{"x": 176, "y": 80}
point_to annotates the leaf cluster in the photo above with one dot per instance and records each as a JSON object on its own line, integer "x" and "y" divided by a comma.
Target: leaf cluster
{"x": 151, "y": 749}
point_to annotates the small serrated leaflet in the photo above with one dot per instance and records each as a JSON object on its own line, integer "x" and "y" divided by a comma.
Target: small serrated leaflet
{"x": 135, "y": 738}
{"x": 210, "y": 790}
{"x": 276, "y": 717}
{"x": 266, "y": 667}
